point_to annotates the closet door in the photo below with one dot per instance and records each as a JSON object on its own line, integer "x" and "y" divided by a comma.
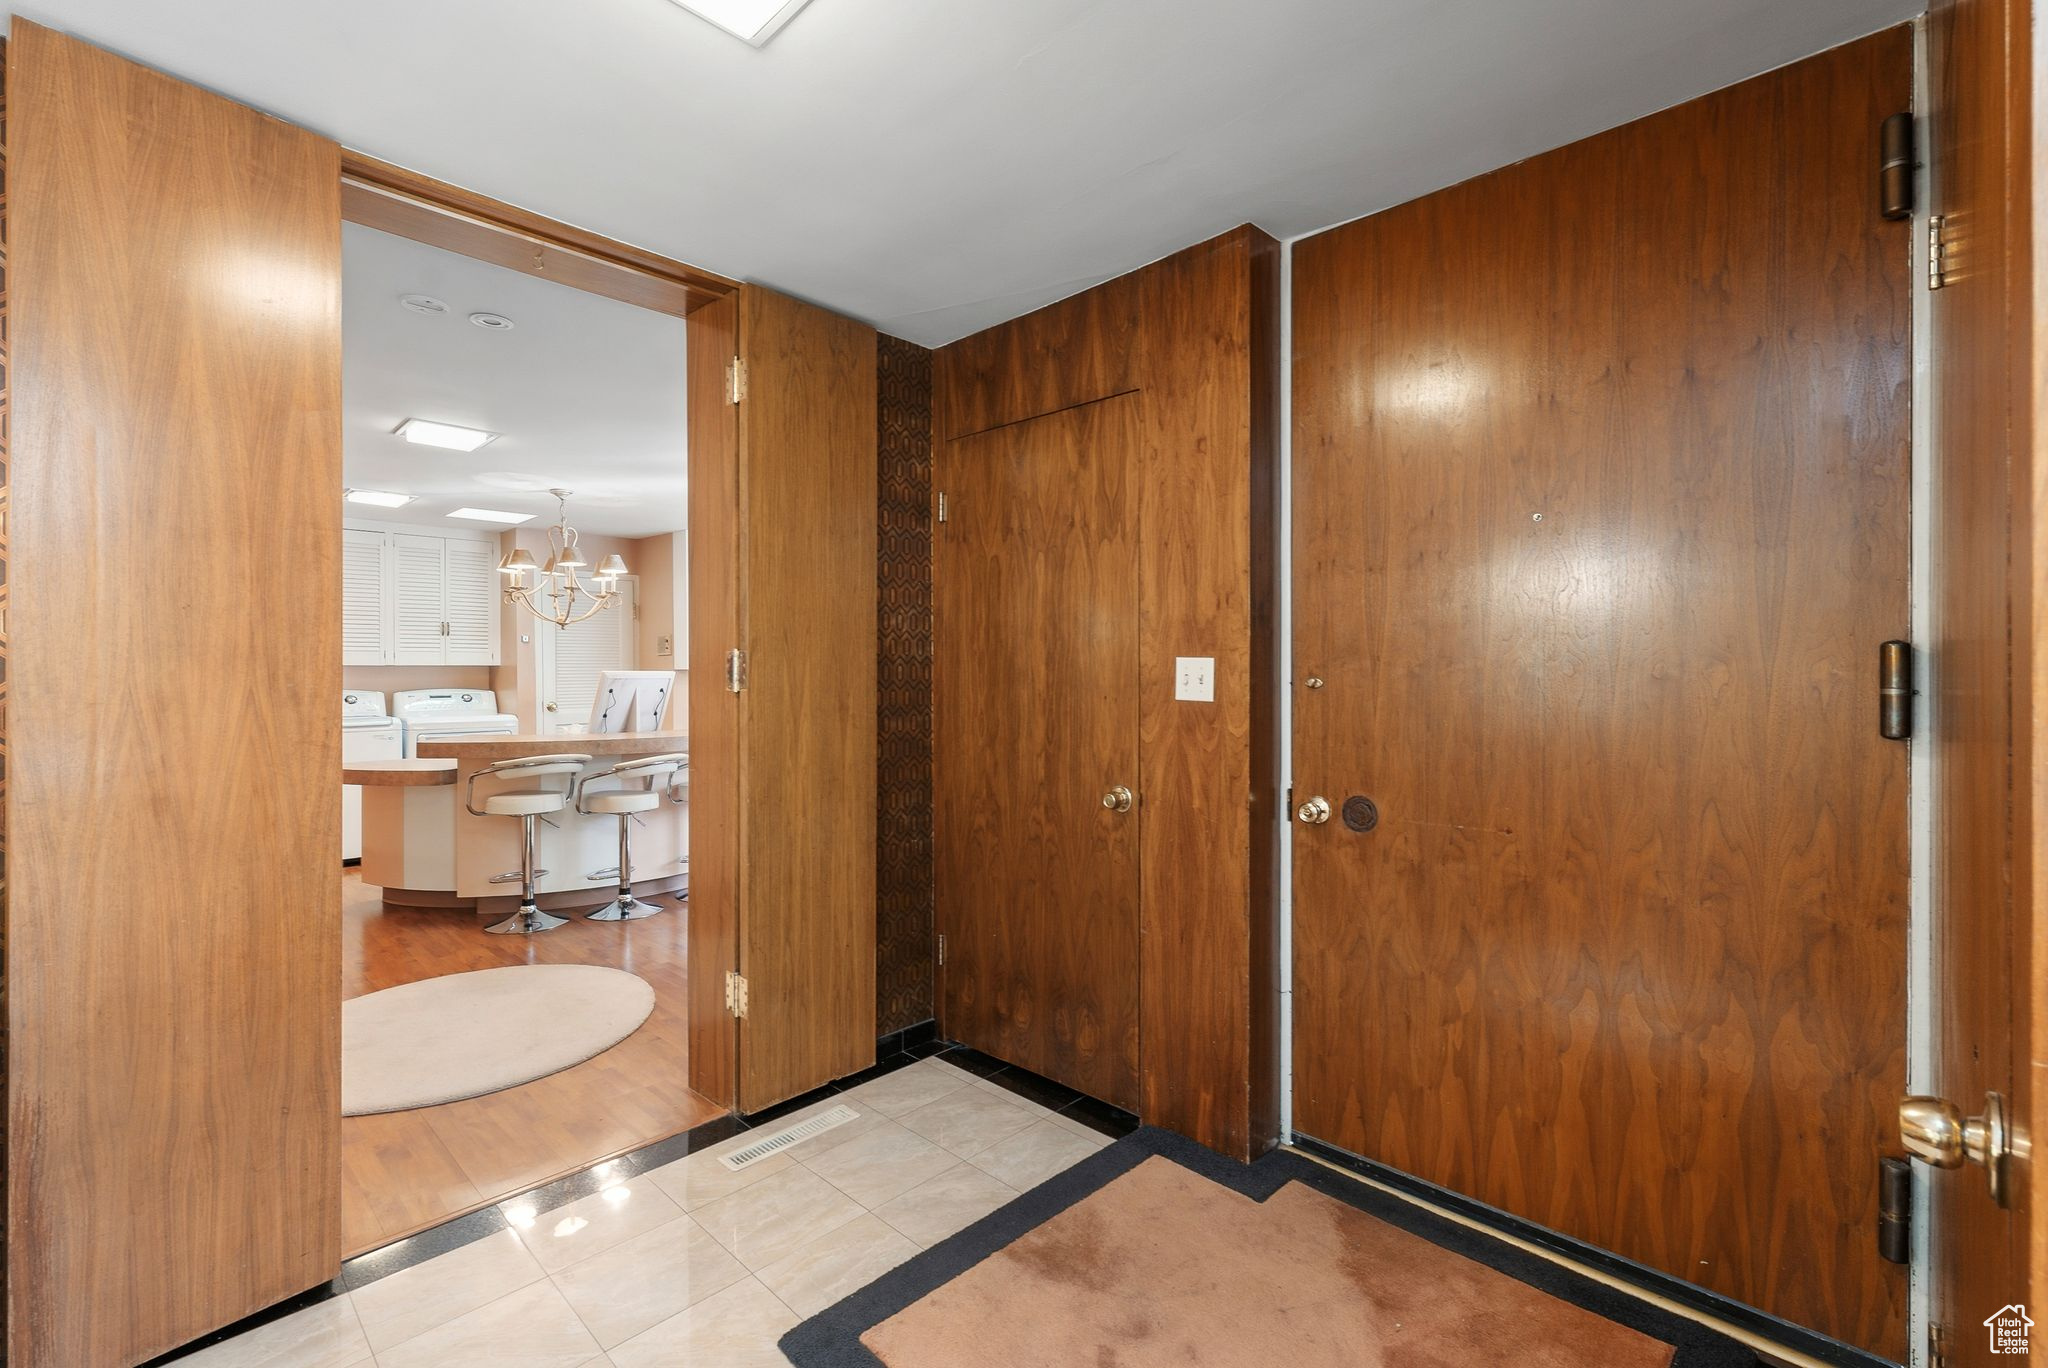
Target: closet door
{"x": 173, "y": 799}
{"x": 572, "y": 658}
{"x": 419, "y": 599}
{"x": 470, "y": 587}
{"x": 365, "y": 598}
{"x": 1035, "y": 638}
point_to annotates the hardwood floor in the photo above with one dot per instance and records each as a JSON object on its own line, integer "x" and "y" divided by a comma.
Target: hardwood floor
{"x": 404, "y": 1171}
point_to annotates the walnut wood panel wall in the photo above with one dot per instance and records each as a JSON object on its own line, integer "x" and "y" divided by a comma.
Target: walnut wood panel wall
{"x": 173, "y": 1016}
{"x": 904, "y": 964}
{"x": 1601, "y": 478}
{"x": 1194, "y": 335}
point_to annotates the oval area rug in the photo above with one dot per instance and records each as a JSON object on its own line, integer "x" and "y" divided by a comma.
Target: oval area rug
{"x": 463, "y": 1035}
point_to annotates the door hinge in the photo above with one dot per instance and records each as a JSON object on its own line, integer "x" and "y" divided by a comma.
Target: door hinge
{"x": 1937, "y": 1345}
{"x": 1937, "y": 251}
{"x": 942, "y": 948}
{"x": 735, "y": 993}
{"x": 1895, "y": 690}
{"x": 735, "y": 670}
{"x": 942, "y": 505}
{"x": 735, "y": 380}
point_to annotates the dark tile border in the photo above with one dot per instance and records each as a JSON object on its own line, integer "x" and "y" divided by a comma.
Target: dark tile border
{"x": 1112, "y": 1121}
{"x": 831, "y": 1339}
{"x": 1784, "y": 1332}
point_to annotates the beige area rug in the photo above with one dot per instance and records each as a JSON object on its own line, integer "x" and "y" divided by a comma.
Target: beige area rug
{"x": 463, "y": 1035}
{"x": 1161, "y": 1266}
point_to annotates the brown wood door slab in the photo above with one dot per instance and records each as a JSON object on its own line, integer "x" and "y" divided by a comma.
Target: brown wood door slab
{"x": 807, "y": 510}
{"x": 1035, "y": 598}
{"x": 1601, "y": 508}
{"x": 173, "y": 884}
{"x": 1979, "y": 697}
{"x": 714, "y": 629}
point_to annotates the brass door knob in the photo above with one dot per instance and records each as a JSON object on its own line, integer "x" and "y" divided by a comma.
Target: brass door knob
{"x": 1936, "y": 1132}
{"x": 1117, "y": 799}
{"x": 551, "y": 707}
{"x": 1315, "y": 811}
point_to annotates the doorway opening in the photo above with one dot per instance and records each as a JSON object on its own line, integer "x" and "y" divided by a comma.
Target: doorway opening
{"x": 572, "y": 404}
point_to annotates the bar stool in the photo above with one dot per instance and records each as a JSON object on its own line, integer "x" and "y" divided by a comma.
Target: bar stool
{"x": 623, "y": 802}
{"x": 529, "y": 805}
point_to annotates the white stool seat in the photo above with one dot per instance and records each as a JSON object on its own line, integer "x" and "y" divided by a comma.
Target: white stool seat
{"x": 622, "y": 800}
{"x": 523, "y": 803}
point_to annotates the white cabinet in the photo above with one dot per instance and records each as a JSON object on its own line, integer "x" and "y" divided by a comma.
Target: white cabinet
{"x": 414, "y": 598}
{"x": 365, "y": 589}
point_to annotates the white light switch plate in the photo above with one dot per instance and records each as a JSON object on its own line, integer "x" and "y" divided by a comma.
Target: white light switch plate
{"x": 1194, "y": 679}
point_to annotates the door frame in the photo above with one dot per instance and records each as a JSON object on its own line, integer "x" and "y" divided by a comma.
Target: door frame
{"x": 392, "y": 199}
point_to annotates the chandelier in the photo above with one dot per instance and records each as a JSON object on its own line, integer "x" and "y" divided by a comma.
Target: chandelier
{"x": 568, "y": 599}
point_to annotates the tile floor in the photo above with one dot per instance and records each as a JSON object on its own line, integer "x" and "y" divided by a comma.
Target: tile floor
{"x": 691, "y": 1263}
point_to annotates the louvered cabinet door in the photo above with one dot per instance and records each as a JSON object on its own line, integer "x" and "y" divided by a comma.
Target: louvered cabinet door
{"x": 365, "y": 598}
{"x": 471, "y": 606}
{"x": 419, "y": 599}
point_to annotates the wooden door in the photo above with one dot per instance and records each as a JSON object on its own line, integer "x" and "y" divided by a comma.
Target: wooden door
{"x": 1601, "y": 507}
{"x": 806, "y": 515}
{"x": 1975, "y": 678}
{"x": 1035, "y": 590}
{"x": 173, "y": 787}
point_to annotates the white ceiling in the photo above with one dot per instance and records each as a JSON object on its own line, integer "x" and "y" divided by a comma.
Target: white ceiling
{"x": 586, "y": 392}
{"x": 935, "y": 166}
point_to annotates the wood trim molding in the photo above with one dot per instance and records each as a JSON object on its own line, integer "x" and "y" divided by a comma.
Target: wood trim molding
{"x": 393, "y": 199}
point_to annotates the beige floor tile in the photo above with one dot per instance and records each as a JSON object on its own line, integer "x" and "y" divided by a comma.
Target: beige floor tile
{"x": 908, "y": 1089}
{"x": 1033, "y": 1155}
{"x": 592, "y": 1224}
{"x": 532, "y": 1328}
{"x": 776, "y": 1216}
{"x": 885, "y": 1162}
{"x": 737, "y": 1328}
{"x": 829, "y": 1267}
{"x": 1081, "y": 1128}
{"x": 639, "y": 1284}
{"x": 969, "y": 1121}
{"x": 419, "y": 1298}
{"x": 945, "y": 1205}
{"x": 324, "y": 1335}
{"x": 702, "y": 1177}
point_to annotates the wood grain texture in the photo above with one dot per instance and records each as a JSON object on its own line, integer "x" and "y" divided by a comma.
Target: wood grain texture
{"x": 1035, "y": 717}
{"x": 404, "y": 1171}
{"x": 1625, "y": 955}
{"x": 623, "y": 745}
{"x": 1207, "y": 972}
{"x": 807, "y": 716}
{"x": 392, "y": 199}
{"x": 1979, "y": 658}
{"x": 1195, "y": 335}
{"x": 714, "y": 551}
{"x": 399, "y": 773}
{"x": 1083, "y": 348}
{"x": 175, "y": 1078}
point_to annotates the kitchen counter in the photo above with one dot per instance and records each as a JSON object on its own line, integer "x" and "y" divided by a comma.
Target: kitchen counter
{"x": 424, "y": 848}
{"x": 398, "y": 773}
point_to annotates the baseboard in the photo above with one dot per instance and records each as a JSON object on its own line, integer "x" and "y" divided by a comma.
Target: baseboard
{"x": 1762, "y": 1324}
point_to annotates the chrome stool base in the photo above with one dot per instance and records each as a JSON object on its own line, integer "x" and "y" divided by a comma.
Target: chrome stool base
{"x": 626, "y": 907}
{"x": 526, "y": 921}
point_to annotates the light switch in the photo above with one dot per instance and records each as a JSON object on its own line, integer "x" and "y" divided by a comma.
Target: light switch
{"x": 1194, "y": 679}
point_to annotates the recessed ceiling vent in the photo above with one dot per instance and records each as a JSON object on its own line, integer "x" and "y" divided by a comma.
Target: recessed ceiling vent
{"x": 491, "y": 322}
{"x": 425, "y": 304}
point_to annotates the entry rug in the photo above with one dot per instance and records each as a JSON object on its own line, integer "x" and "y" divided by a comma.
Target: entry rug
{"x": 1157, "y": 1252}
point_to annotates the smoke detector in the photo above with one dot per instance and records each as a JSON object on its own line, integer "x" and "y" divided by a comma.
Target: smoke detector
{"x": 422, "y": 304}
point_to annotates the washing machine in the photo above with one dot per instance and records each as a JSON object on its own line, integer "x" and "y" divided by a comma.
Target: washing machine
{"x": 367, "y": 733}
{"x": 449, "y": 715}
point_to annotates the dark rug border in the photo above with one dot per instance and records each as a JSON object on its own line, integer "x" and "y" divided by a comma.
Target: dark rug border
{"x": 831, "y": 1339}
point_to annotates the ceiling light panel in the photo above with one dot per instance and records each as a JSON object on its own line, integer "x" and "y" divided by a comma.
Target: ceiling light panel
{"x": 378, "y": 498}
{"x": 752, "y": 21}
{"x": 491, "y": 515}
{"x": 423, "y": 433}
